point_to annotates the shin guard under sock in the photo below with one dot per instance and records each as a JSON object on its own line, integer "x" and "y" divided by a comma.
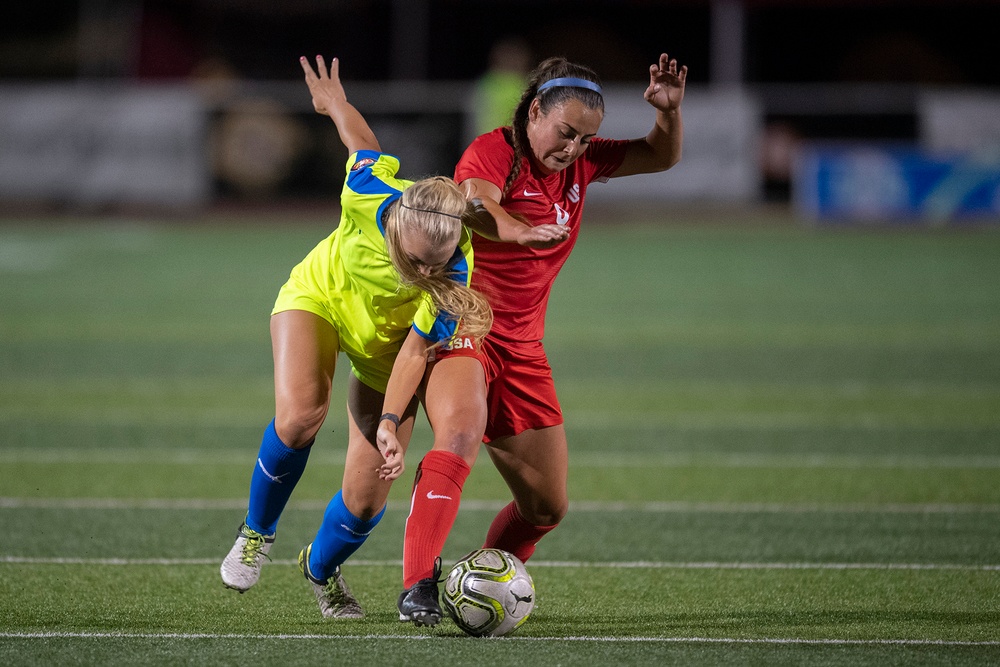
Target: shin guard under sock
{"x": 339, "y": 536}
{"x": 275, "y": 474}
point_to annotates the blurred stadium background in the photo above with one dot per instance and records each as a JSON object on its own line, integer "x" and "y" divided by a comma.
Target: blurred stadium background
{"x": 835, "y": 110}
{"x": 789, "y": 413}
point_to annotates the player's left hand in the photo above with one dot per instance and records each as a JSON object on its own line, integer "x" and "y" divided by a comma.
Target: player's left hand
{"x": 666, "y": 84}
{"x": 391, "y": 450}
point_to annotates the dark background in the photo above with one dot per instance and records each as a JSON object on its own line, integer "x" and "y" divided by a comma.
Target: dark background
{"x": 823, "y": 69}
{"x": 942, "y": 42}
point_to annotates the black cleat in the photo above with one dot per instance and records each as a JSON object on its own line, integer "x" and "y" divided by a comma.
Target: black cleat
{"x": 419, "y": 602}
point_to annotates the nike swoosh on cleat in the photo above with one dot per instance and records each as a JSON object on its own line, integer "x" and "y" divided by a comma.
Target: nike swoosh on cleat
{"x": 433, "y": 496}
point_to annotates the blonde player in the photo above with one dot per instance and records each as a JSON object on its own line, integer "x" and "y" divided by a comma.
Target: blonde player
{"x": 397, "y": 268}
{"x": 398, "y": 264}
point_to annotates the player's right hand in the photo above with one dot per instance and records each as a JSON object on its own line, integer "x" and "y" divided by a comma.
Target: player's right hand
{"x": 391, "y": 450}
{"x": 542, "y": 236}
{"x": 325, "y": 86}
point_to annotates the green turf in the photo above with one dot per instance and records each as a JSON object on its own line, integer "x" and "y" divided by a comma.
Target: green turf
{"x": 785, "y": 449}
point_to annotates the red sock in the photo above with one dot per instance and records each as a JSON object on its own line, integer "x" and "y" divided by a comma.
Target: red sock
{"x": 513, "y": 533}
{"x": 437, "y": 492}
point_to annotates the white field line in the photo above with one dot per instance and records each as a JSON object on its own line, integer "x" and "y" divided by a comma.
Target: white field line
{"x": 577, "y": 459}
{"x": 723, "y": 460}
{"x": 584, "y": 639}
{"x": 655, "y": 507}
{"x": 614, "y": 565}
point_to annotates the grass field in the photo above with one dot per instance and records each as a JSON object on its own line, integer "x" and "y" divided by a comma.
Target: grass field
{"x": 785, "y": 449}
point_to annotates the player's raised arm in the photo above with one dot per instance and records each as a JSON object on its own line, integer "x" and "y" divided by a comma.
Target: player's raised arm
{"x": 329, "y": 99}
{"x": 661, "y": 148}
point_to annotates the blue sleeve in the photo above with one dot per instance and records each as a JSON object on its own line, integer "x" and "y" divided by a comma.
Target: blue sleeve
{"x": 439, "y": 326}
{"x": 371, "y": 185}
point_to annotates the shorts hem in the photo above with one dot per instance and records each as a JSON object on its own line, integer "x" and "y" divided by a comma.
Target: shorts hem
{"x": 521, "y": 428}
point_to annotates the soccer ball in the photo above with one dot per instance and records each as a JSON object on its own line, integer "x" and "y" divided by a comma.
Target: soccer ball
{"x": 489, "y": 593}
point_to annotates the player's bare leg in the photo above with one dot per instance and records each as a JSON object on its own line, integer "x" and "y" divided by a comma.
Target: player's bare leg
{"x": 356, "y": 509}
{"x": 455, "y": 402}
{"x": 535, "y": 465}
{"x": 305, "y": 351}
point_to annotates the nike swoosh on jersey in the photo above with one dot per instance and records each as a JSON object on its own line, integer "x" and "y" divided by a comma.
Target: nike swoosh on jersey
{"x": 529, "y": 193}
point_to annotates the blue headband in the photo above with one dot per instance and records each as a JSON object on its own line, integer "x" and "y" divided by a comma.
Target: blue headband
{"x": 570, "y": 82}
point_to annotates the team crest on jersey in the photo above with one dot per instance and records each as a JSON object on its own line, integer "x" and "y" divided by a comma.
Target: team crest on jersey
{"x": 362, "y": 163}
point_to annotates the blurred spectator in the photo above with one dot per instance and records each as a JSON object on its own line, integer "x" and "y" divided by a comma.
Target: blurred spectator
{"x": 499, "y": 89}
{"x": 779, "y": 144}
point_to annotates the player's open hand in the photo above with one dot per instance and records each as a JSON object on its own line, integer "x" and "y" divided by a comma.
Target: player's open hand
{"x": 388, "y": 445}
{"x": 542, "y": 236}
{"x": 666, "y": 84}
{"x": 325, "y": 85}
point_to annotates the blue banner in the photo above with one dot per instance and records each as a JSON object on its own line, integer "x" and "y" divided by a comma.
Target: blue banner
{"x": 872, "y": 183}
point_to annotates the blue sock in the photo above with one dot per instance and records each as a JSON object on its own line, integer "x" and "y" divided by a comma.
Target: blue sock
{"x": 340, "y": 535}
{"x": 275, "y": 474}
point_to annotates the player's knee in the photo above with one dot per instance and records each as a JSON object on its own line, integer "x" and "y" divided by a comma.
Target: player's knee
{"x": 462, "y": 439}
{"x": 369, "y": 512}
{"x": 298, "y": 427}
{"x": 362, "y": 506}
{"x": 546, "y": 512}
{"x": 459, "y": 429}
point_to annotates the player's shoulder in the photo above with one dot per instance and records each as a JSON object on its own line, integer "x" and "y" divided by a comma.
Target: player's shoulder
{"x": 496, "y": 140}
{"x": 371, "y": 186}
{"x": 493, "y": 150}
{"x": 363, "y": 163}
{"x": 603, "y": 155}
{"x": 373, "y": 173}
{"x": 488, "y": 157}
{"x": 603, "y": 144}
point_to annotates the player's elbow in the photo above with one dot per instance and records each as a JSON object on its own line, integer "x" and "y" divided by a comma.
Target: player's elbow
{"x": 669, "y": 153}
{"x": 661, "y": 157}
{"x": 674, "y": 158}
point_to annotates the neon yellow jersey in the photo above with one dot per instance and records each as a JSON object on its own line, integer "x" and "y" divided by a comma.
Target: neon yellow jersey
{"x": 349, "y": 280}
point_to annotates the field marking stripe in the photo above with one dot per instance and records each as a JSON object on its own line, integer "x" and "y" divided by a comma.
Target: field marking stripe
{"x": 578, "y": 460}
{"x": 708, "y": 565}
{"x": 369, "y": 637}
{"x": 495, "y": 505}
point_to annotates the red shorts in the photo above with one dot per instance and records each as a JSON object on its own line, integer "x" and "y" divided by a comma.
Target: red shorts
{"x": 521, "y": 394}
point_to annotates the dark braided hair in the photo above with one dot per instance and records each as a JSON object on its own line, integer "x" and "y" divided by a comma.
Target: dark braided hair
{"x": 551, "y": 68}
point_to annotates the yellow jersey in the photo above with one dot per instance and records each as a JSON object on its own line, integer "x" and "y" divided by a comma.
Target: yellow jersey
{"x": 349, "y": 280}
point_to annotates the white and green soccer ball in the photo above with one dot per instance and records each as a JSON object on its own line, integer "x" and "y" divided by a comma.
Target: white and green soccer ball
{"x": 489, "y": 593}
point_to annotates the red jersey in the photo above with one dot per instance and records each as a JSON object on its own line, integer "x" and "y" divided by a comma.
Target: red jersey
{"x": 515, "y": 279}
